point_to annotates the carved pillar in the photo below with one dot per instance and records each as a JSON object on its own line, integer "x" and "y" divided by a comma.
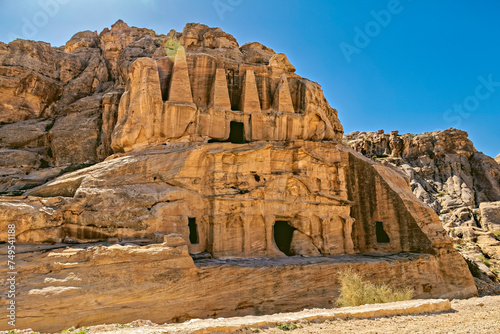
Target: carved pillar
{"x": 249, "y": 100}
{"x": 219, "y": 97}
{"x": 180, "y": 87}
{"x": 348, "y": 244}
{"x": 282, "y": 98}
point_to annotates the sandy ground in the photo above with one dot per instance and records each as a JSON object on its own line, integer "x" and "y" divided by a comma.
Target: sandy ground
{"x": 475, "y": 315}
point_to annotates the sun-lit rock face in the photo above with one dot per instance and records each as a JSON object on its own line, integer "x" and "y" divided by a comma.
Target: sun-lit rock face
{"x": 209, "y": 96}
{"x": 234, "y": 196}
{"x": 65, "y": 108}
{"x": 189, "y": 177}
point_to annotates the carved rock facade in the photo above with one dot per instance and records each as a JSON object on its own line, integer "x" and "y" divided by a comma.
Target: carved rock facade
{"x": 221, "y": 100}
{"x": 228, "y": 182}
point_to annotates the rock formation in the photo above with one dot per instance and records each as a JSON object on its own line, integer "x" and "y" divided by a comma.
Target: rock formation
{"x": 167, "y": 177}
{"x": 461, "y": 184}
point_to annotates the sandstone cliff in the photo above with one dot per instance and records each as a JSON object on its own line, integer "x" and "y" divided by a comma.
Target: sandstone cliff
{"x": 174, "y": 176}
{"x": 461, "y": 184}
{"x": 61, "y": 108}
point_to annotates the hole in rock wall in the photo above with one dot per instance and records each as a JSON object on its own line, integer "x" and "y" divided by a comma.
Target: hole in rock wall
{"x": 283, "y": 233}
{"x": 236, "y": 133}
{"x": 382, "y": 236}
{"x": 193, "y": 231}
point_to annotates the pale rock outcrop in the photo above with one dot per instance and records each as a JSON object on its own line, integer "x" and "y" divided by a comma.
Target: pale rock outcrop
{"x": 256, "y": 53}
{"x": 280, "y": 60}
{"x": 82, "y": 39}
{"x": 490, "y": 215}
{"x": 214, "y": 41}
{"x": 235, "y": 324}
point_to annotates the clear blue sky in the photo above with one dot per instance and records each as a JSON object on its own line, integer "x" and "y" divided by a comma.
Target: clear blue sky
{"x": 425, "y": 65}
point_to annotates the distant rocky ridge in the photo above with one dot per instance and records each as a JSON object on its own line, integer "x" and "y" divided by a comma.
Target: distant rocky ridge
{"x": 447, "y": 173}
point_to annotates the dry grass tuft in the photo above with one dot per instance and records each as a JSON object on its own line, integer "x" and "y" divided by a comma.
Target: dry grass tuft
{"x": 355, "y": 291}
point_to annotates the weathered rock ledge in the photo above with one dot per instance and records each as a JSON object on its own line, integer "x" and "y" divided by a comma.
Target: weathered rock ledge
{"x": 231, "y": 325}
{"x": 118, "y": 284}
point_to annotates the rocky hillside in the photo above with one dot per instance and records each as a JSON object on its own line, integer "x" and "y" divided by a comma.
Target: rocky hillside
{"x": 59, "y": 105}
{"x": 461, "y": 184}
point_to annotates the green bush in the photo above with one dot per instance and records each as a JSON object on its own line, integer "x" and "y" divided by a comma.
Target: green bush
{"x": 355, "y": 291}
{"x": 287, "y": 327}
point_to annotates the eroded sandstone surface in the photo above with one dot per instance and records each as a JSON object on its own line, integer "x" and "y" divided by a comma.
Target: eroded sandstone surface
{"x": 461, "y": 184}
{"x": 167, "y": 177}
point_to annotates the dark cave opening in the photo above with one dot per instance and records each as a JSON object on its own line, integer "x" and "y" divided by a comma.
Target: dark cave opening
{"x": 283, "y": 233}
{"x": 236, "y": 134}
{"x": 193, "y": 231}
{"x": 382, "y": 236}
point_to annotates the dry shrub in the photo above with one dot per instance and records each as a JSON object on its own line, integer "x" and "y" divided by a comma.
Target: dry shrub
{"x": 355, "y": 291}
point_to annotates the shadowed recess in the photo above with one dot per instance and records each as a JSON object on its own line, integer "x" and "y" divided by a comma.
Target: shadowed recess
{"x": 283, "y": 233}
{"x": 382, "y": 236}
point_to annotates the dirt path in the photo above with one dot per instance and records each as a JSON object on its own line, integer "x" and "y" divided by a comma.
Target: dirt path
{"x": 475, "y": 315}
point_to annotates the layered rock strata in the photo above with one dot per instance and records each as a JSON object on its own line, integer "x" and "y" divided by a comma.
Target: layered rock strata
{"x": 151, "y": 159}
{"x": 118, "y": 284}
